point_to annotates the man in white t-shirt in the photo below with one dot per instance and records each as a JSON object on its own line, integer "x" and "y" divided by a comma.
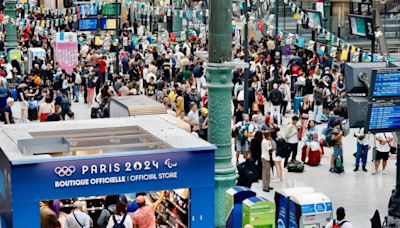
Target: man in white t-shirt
{"x": 383, "y": 142}
{"x": 340, "y": 220}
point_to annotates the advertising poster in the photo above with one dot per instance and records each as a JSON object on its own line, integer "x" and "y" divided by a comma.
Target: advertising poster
{"x": 66, "y": 50}
{"x": 357, "y": 25}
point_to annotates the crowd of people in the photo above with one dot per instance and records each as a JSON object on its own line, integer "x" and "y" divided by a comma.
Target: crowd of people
{"x": 116, "y": 212}
{"x": 287, "y": 102}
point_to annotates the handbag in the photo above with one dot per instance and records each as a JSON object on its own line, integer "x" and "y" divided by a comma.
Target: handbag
{"x": 393, "y": 149}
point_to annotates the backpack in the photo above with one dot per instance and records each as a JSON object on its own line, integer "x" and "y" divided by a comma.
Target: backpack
{"x": 243, "y": 132}
{"x": 37, "y": 80}
{"x": 78, "y": 79}
{"x": 338, "y": 225}
{"x": 119, "y": 225}
{"x": 329, "y": 142}
{"x": 338, "y": 167}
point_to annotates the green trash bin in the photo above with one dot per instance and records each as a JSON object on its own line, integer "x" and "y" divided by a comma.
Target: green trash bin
{"x": 258, "y": 212}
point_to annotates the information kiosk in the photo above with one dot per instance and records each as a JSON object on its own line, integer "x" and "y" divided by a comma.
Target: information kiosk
{"x": 282, "y": 199}
{"x": 90, "y": 160}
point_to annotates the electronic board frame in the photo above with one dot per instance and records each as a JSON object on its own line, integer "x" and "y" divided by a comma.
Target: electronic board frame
{"x": 367, "y": 123}
{"x": 373, "y": 81}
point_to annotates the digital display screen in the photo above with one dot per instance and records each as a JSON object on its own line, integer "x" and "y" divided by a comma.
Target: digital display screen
{"x": 108, "y": 23}
{"x": 110, "y": 9}
{"x": 385, "y": 83}
{"x": 88, "y": 9}
{"x": 384, "y": 116}
{"x": 315, "y": 18}
{"x": 88, "y": 24}
{"x": 357, "y": 25}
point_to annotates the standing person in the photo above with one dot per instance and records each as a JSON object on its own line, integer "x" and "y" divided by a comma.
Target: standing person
{"x": 120, "y": 217}
{"x": 255, "y": 149}
{"x": 6, "y": 113}
{"x": 292, "y": 137}
{"x": 286, "y": 96}
{"x": 45, "y": 109}
{"x": 91, "y": 86}
{"x": 77, "y": 218}
{"x": 318, "y": 102}
{"x": 203, "y": 124}
{"x": 304, "y": 110}
{"x": 48, "y": 218}
{"x": 151, "y": 89}
{"x": 362, "y": 148}
{"x": 103, "y": 69}
{"x": 267, "y": 150}
{"x": 193, "y": 118}
{"x": 144, "y": 216}
{"x": 242, "y": 130}
{"x": 383, "y": 141}
{"x": 340, "y": 220}
{"x": 77, "y": 80}
{"x": 338, "y": 146}
{"x": 275, "y": 96}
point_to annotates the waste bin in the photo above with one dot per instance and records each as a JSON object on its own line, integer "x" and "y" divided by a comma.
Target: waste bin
{"x": 282, "y": 198}
{"x": 258, "y": 212}
{"x": 309, "y": 210}
{"x": 234, "y": 199}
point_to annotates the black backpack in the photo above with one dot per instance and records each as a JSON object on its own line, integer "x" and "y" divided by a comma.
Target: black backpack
{"x": 121, "y": 224}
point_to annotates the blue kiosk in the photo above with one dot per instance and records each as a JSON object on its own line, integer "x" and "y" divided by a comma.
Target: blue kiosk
{"x": 88, "y": 160}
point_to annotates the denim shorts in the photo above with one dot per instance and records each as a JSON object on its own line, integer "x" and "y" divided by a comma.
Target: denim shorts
{"x": 337, "y": 151}
{"x": 241, "y": 147}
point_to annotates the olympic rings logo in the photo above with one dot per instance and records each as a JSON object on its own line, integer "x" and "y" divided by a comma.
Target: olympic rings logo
{"x": 65, "y": 171}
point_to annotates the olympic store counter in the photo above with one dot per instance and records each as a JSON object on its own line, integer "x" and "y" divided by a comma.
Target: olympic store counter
{"x": 88, "y": 160}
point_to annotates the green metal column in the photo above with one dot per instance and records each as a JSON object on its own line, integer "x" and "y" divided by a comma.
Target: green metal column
{"x": 11, "y": 39}
{"x": 219, "y": 102}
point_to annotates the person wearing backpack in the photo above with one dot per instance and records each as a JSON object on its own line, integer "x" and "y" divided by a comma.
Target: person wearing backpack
{"x": 120, "y": 219}
{"x": 108, "y": 210}
{"x": 245, "y": 131}
{"x": 340, "y": 221}
{"x": 318, "y": 102}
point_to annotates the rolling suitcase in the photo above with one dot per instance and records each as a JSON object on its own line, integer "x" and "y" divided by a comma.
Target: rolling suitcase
{"x": 314, "y": 157}
{"x": 295, "y": 167}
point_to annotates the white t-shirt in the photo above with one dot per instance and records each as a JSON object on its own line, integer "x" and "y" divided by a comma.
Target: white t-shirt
{"x": 384, "y": 136}
{"x": 266, "y": 146}
{"x": 344, "y": 225}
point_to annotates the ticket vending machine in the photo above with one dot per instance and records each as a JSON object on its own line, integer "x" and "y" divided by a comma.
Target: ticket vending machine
{"x": 312, "y": 210}
{"x": 234, "y": 199}
{"x": 282, "y": 198}
{"x": 258, "y": 212}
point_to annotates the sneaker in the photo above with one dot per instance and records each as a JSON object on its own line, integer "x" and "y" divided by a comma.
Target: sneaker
{"x": 332, "y": 170}
{"x": 356, "y": 169}
{"x": 384, "y": 172}
{"x": 364, "y": 169}
{"x": 374, "y": 173}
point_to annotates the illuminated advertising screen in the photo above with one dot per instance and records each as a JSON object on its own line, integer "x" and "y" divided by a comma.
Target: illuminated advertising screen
{"x": 385, "y": 83}
{"x": 108, "y": 23}
{"x": 383, "y": 116}
{"x": 88, "y": 24}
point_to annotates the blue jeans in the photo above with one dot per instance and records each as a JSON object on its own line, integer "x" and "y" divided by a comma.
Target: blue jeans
{"x": 362, "y": 153}
{"x": 76, "y": 93}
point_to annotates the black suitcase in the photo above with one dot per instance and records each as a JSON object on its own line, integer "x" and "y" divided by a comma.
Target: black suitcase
{"x": 295, "y": 167}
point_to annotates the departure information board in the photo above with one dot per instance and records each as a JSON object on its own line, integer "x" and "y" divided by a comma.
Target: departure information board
{"x": 383, "y": 116}
{"x": 385, "y": 83}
